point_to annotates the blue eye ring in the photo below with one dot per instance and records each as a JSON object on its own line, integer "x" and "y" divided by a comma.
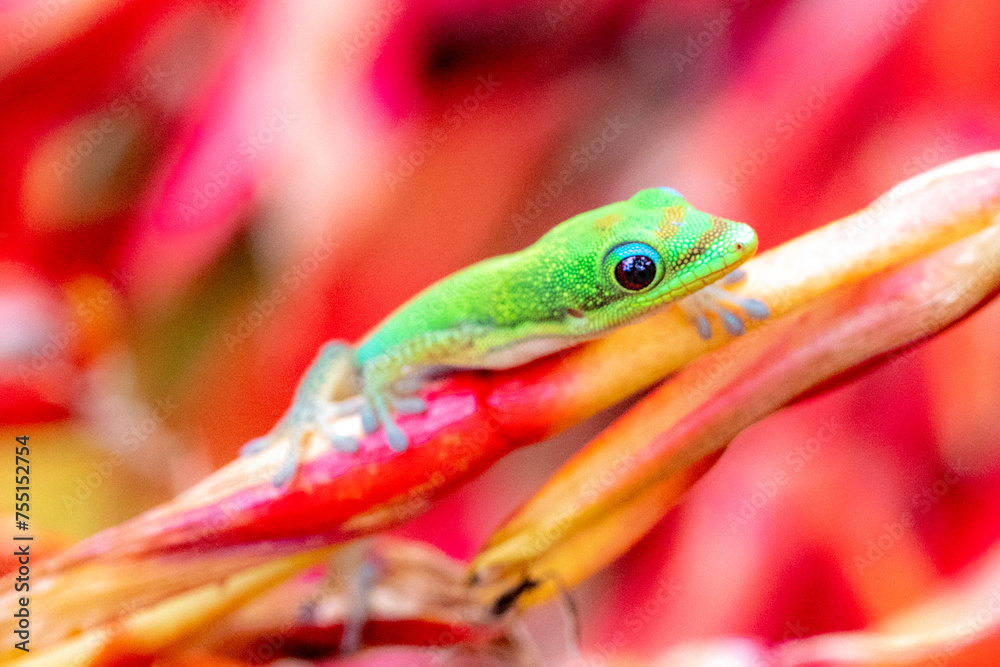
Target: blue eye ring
{"x": 634, "y": 266}
{"x": 672, "y": 191}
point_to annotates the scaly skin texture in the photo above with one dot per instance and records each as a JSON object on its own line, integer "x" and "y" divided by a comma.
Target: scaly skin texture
{"x": 558, "y": 289}
{"x": 593, "y": 273}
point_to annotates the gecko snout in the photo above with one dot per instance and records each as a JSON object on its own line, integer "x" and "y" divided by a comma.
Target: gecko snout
{"x": 744, "y": 240}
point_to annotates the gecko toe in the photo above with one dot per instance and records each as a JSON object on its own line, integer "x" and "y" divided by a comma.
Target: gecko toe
{"x": 733, "y": 325}
{"x": 398, "y": 441}
{"x": 755, "y": 308}
{"x": 255, "y": 446}
{"x": 378, "y": 410}
{"x": 733, "y": 277}
{"x": 289, "y": 465}
{"x": 369, "y": 423}
{"x": 345, "y": 443}
{"x": 348, "y": 406}
{"x": 732, "y": 309}
{"x": 703, "y": 326}
{"x": 409, "y": 406}
{"x": 367, "y": 578}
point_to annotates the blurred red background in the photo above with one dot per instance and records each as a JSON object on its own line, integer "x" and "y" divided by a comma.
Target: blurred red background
{"x": 195, "y": 195}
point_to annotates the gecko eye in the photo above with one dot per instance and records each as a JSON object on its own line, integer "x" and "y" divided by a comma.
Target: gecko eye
{"x": 635, "y": 266}
{"x": 636, "y": 272}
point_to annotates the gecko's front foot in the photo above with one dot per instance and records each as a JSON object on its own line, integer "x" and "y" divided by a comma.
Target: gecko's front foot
{"x": 724, "y": 304}
{"x": 331, "y": 391}
{"x": 375, "y": 410}
{"x": 316, "y": 416}
{"x": 378, "y": 410}
{"x": 290, "y": 462}
{"x": 295, "y": 436}
{"x": 323, "y": 397}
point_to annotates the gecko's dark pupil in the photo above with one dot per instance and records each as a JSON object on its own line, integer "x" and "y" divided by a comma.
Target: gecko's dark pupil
{"x": 635, "y": 272}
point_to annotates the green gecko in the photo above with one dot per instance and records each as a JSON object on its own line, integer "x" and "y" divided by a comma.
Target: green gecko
{"x": 591, "y": 274}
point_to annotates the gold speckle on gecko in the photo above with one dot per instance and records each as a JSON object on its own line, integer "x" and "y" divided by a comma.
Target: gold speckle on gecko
{"x": 606, "y": 222}
{"x": 672, "y": 218}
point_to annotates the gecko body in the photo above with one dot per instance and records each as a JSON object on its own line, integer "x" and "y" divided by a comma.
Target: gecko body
{"x": 591, "y": 274}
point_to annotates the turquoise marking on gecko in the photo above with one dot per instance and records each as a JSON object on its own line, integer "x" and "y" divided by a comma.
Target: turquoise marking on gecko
{"x": 587, "y": 276}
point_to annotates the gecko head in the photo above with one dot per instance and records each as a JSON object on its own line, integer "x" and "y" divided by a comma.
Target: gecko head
{"x": 661, "y": 249}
